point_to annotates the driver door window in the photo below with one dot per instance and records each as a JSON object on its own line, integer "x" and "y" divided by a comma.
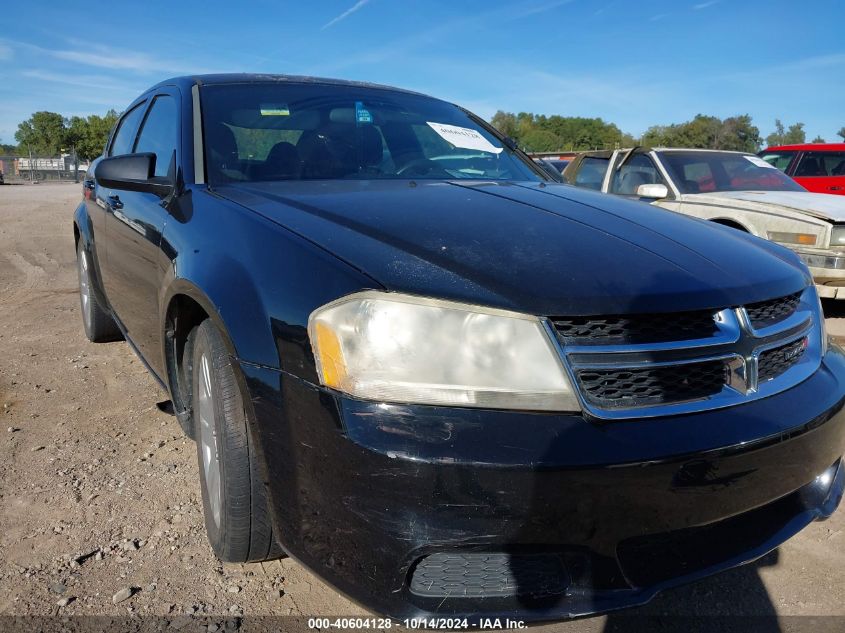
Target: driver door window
{"x": 125, "y": 134}
{"x": 158, "y": 134}
{"x": 638, "y": 170}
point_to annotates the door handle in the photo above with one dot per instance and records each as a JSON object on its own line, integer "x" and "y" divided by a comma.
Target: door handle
{"x": 114, "y": 202}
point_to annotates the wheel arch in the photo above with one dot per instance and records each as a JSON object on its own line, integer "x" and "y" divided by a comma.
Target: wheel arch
{"x": 734, "y": 224}
{"x": 235, "y": 313}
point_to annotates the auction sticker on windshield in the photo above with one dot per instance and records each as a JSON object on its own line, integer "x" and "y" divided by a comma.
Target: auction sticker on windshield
{"x": 464, "y": 137}
{"x": 756, "y": 160}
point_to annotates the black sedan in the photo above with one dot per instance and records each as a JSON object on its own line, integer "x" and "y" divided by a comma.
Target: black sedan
{"x": 444, "y": 383}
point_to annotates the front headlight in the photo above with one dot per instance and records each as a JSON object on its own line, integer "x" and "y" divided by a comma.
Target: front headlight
{"x": 400, "y": 348}
{"x": 837, "y": 236}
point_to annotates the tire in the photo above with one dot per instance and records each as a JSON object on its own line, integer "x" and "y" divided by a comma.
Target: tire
{"x": 98, "y": 323}
{"x": 234, "y": 498}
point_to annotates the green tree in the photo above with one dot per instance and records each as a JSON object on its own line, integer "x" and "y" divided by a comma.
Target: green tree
{"x": 43, "y": 133}
{"x": 707, "y": 132}
{"x": 739, "y": 134}
{"x": 541, "y": 133}
{"x": 88, "y": 135}
{"x": 8, "y": 150}
{"x": 841, "y": 133}
{"x": 505, "y": 122}
{"x": 793, "y": 135}
{"x": 818, "y": 139}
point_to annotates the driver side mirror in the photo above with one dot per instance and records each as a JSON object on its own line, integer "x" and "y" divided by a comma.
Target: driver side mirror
{"x": 132, "y": 172}
{"x": 654, "y": 192}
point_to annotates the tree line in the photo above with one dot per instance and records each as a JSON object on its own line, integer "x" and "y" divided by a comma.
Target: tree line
{"x": 50, "y": 133}
{"x": 540, "y": 133}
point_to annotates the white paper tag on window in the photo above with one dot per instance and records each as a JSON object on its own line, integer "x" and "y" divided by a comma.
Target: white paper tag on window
{"x": 759, "y": 162}
{"x": 464, "y": 137}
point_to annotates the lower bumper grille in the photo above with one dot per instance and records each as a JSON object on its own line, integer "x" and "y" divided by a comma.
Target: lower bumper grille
{"x": 488, "y": 575}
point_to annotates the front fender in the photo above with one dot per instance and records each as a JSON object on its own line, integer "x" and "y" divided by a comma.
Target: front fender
{"x": 226, "y": 294}
{"x": 257, "y": 281}
{"x": 86, "y": 236}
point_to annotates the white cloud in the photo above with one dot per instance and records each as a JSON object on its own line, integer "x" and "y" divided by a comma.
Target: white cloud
{"x": 704, "y": 5}
{"x": 540, "y": 8}
{"x": 94, "y": 82}
{"x": 355, "y": 7}
{"x": 6, "y": 52}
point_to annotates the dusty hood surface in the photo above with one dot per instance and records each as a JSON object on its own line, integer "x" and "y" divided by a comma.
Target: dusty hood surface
{"x": 543, "y": 249}
{"x": 819, "y": 205}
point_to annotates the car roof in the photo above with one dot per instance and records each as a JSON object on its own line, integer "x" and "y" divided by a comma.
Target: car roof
{"x": 815, "y": 147}
{"x": 664, "y": 149}
{"x": 262, "y": 78}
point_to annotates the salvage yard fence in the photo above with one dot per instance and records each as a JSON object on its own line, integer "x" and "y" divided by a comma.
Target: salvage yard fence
{"x": 42, "y": 168}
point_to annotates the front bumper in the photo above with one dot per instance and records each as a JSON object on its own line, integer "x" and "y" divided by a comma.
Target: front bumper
{"x": 379, "y": 499}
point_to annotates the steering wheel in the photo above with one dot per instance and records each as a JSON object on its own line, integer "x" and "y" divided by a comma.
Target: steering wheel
{"x": 421, "y": 167}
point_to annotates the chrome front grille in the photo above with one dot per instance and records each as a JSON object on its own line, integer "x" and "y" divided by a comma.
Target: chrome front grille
{"x": 651, "y": 365}
{"x": 769, "y": 312}
{"x": 637, "y": 328}
{"x": 772, "y": 363}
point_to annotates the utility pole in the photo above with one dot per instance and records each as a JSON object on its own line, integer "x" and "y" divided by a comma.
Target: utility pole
{"x": 75, "y": 165}
{"x": 31, "y": 166}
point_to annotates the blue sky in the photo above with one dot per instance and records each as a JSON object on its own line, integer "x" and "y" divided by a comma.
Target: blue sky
{"x": 633, "y": 62}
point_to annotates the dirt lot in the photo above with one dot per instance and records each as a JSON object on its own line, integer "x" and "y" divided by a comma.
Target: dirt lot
{"x": 99, "y": 490}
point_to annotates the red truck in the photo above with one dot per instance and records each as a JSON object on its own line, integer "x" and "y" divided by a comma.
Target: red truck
{"x": 818, "y": 167}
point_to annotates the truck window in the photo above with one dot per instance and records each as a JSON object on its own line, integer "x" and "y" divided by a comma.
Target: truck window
{"x": 125, "y": 135}
{"x": 779, "y": 159}
{"x": 638, "y": 170}
{"x": 159, "y": 133}
{"x": 591, "y": 172}
{"x": 821, "y": 164}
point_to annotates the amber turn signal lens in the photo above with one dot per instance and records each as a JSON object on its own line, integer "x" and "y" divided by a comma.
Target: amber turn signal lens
{"x": 807, "y": 239}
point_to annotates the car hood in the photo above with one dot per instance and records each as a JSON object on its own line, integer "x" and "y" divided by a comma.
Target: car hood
{"x": 819, "y": 205}
{"x": 545, "y": 249}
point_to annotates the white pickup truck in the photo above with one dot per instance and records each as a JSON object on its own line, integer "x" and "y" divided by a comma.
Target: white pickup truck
{"x": 732, "y": 188}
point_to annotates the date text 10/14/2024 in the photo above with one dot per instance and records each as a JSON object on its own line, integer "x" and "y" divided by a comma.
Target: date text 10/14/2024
{"x": 446, "y": 624}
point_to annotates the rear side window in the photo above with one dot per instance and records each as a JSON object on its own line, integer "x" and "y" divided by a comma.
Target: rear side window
{"x": 821, "y": 164}
{"x": 159, "y": 133}
{"x": 591, "y": 172}
{"x": 638, "y": 170}
{"x": 125, "y": 135}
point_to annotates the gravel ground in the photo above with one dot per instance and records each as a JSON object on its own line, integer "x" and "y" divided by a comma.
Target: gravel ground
{"x": 99, "y": 499}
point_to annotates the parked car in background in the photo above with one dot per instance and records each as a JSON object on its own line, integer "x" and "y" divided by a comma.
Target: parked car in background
{"x": 818, "y": 167}
{"x": 446, "y": 384}
{"x": 736, "y": 189}
{"x": 550, "y": 168}
{"x": 559, "y": 164}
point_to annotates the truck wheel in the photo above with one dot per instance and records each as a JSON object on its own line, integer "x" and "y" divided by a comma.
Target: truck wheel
{"x": 98, "y": 323}
{"x": 234, "y": 498}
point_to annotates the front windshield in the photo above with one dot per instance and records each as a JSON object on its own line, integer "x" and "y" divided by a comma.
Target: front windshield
{"x": 702, "y": 172}
{"x": 306, "y": 131}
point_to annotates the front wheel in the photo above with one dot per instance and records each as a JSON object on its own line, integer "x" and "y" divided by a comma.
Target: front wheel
{"x": 98, "y": 323}
{"x": 234, "y": 498}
